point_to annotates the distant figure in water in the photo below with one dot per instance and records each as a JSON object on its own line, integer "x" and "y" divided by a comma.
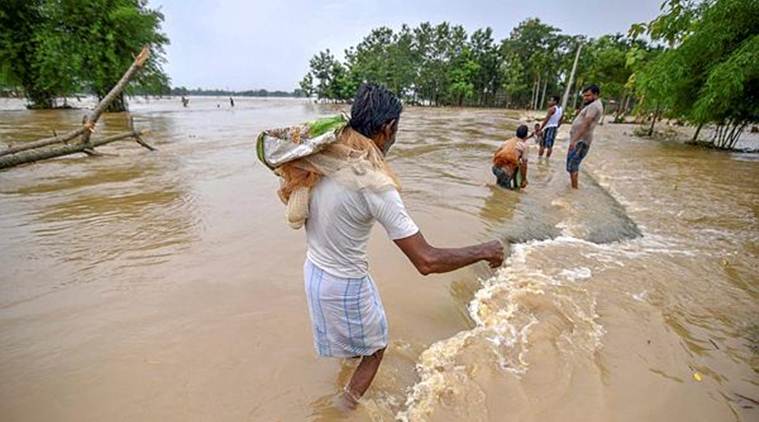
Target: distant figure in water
{"x": 185, "y": 101}
{"x": 510, "y": 161}
{"x": 231, "y": 102}
{"x": 550, "y": 126}
{"x": 581, "y": 134}
{"x": 347, "y": 315}
{"x": 218, "y": 105}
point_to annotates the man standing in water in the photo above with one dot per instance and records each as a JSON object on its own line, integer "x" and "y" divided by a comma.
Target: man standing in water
{"x": 581, "y": 133}
{"x": 346, "y": 311}
{"x": 550, "y": 125}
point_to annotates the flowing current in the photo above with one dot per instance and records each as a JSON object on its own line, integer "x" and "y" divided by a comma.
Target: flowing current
{"x": 167, "y": 285}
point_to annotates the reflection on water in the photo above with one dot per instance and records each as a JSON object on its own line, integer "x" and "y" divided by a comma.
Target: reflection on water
{"x": 166, "y": 285}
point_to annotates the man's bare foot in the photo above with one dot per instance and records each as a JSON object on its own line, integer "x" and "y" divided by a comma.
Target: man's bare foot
{"x": 346, "y": 400}
{"x": 524, "y": 184}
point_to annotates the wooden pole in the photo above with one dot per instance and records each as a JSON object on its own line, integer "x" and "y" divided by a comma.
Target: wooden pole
{"x": 543, "y": 97}
{"x": 571, "y": 78}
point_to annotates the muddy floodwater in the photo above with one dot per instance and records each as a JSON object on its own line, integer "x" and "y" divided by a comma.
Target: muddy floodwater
{"x": 167, "y": 286}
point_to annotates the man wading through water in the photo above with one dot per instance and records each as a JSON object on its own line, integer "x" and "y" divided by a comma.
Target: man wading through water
{"x": 550, "y": 126}
{"x": 349, "y": 194}
{"x": 581, "y": 133}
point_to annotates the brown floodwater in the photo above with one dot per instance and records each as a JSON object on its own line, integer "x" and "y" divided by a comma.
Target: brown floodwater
{"x": 167, "y": 286}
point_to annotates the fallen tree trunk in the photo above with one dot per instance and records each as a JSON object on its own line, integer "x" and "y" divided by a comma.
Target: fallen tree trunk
{"x": 68, "y": 149}
{"x": 35, "y": 151}
{"x": 43, "y": 142}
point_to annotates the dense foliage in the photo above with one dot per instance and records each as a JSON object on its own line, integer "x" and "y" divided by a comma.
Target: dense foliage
{"x": 710, "y": 72}
{"x": 443, "y": 65}
{"x": 55, "y": 48}
{"x": 697, "y": 62}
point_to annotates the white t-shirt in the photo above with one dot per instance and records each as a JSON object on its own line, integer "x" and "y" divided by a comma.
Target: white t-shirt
{"x": 555, "y": 118}
{"x": 339, "y": 223}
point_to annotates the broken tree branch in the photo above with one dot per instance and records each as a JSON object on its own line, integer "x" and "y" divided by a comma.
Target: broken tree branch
{"x": 29, "y": 151}
{"x": 92, "y": 119}
{"x": 43, "y": 142}
{"x": 61, "y": 150}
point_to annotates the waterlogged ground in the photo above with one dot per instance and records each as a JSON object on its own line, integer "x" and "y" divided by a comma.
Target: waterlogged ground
{"x": 167, "y": 286}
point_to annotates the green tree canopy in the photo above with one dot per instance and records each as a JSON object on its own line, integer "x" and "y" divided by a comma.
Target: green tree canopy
{"x": 58, "y": 48}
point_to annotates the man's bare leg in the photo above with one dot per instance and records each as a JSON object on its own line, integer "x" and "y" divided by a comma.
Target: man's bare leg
{"x": 573, "y": 177}
{"x": 540, "y": 152}
{"x": 362, "y": 377}
{"x": 548, "y": 152}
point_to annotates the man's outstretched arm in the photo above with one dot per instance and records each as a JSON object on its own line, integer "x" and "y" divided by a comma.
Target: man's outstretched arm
{"x": 428, "y": 259}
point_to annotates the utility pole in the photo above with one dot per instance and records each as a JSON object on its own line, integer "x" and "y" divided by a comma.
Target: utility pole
{"x": 571, "y": 79}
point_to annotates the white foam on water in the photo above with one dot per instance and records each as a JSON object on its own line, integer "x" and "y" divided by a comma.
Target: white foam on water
{"x": 505, "y": 311}
{"x": 640, "y": 296}
{"x": 578, "y": 273}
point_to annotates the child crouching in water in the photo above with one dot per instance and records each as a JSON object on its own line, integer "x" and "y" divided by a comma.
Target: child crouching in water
{"x": 510, "y": 161}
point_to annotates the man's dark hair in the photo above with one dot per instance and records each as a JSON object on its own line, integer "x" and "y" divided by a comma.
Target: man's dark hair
{"x": 592, "y": 88}
{"x": 556, "y": 99}
{"x": 522, "y": 131}
{"x": 373, "y": 107}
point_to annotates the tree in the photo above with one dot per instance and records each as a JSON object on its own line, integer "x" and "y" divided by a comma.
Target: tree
{"x": 57, "y": 48}
{"x": 322, "y": 66}
{"x": 710, "y": 75}
{"x": 533, "y": 44}
{"x": 20, "y": 22}
{"x": 307, "y": 85}
{"x": 462, "y": 73}
{"x": 487, "y": 78}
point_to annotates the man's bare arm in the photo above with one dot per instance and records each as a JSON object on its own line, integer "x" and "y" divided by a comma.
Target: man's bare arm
{"x": 428, "y": 259}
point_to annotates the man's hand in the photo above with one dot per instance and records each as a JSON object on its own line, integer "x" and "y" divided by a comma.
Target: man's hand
{"x": 493, "y": 251}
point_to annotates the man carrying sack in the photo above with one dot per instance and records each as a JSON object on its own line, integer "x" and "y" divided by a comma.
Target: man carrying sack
{"x": 335, "y": 180}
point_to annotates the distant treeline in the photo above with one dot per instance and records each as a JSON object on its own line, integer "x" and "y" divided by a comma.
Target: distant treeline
{"x": 444, "y": 65}
{"x": 697, "y": 62}
{"x": 223, "y": 92}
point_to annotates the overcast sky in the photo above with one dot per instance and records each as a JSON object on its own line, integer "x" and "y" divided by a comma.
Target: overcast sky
{"x": 252, "y": 44}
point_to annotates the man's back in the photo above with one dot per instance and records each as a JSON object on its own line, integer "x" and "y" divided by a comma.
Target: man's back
{"x": 509, "y": 153}
{"x": 340, "y": 221}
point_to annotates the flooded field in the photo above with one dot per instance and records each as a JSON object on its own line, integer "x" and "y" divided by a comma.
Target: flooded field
{"x": 167, "y": 286}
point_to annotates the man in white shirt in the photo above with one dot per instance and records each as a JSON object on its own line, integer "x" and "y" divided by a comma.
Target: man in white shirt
{"x": 550, "y": 125}
{"x": 347, "y": 316}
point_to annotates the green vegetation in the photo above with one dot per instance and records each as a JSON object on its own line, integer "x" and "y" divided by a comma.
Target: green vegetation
{"x": 51, "y": 48}
{"x": 698, "y": 63}
{"x": 443, "y": 65}
{"x": 709, "y": 75}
